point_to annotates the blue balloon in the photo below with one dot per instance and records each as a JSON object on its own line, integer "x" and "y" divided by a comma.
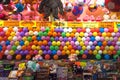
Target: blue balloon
{"x": 38, "y": 38}
{"x": 19, "y": 7}
{"x": 99, "y": 43}
{"x": 92, "y": 38}
{"x": 101, "y": 30}
{"x": 0, "y": 48}
{"x": 54, "y": 52}
{"x": 107, "y": 57}
{"x": 22, "y": 43}
{"x": 7, "y": 42}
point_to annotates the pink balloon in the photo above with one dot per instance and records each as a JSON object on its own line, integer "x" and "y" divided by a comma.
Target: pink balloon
{"x": 116, "y": 47}
{"x": 106, "y": 29}
{"x": 42, "y": 28}
{"x": 47, "y": 38}
{"x": 69, "y": 39}
{"x": 17, "y": 33}
{"x": 102, "y": 39}
{"x": 95, "y": 42}
{"x": 72, "y": 43}
{"x": 35, "y": 52}
{"x": 9, "y": 47}
{"x": 12, "y": 43}
{"x": 115, "y": 38}
{"x": 2, "y": 43}
{"x": 79, "y": 30}
{"x": 90, "y": 34}
{"x": 43, "y": 37}
{"x": 58, "y": 52}
{"x": 26, "y": 34}
{"x": 86, "y": 43}
{"x": 63, "y": 43}
{"x": 19, "y": 38}
{"x": 88, "y": 39}
{"x": 60, "y": 39}
{"x": 9, "y": 57}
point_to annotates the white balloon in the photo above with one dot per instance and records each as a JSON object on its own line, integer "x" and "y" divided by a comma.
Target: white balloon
{"x": 15, "y": 38}
{"x": 65, "y": 29}
{"x": 90, "y": 43}
{"x": 100, "y": 51}
{"x": 31, "y": 33}
{"x": 106, "y": 38}
{"x": 35, "y": 33}
{"x": 113, "y": 34}
{"x": 97, "y": 38}
{"x": 118, "y": 43}
{"x": 111, "y": 38}
{"x": 88, "y": 47}
{"x": 70, "y": 29}
{"x": 87, "y": 30}
{"x": 83, "y": 38}
{"x": 76, "y": 43}
{"x": 19, "y": 47}
{"x": 5, "y": 29}
{"x": 86, "y": 34}
{"x": 6, "y": 52}
{"x": 15, "y": 29}
{"x": 76, "y": 34}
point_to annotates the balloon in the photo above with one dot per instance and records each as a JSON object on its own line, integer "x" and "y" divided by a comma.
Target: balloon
{"x": 44, "y": 52}
{"x": 40, "y": 33}
{"x": 14, "y": 48}
{"x": 111, "y": 47}
{"x": 60, "y": 38}
{"x": 86, "y": 34}
{"x": 54, "y": 52}
{"x": 95, "y": 52}
{"x": 104, "y": 34}
{"x": 47, "y": 29}
{"x": 63, "y": 34}
{"x": 11, "y": 52}
{"x": 21, "y": 43}
{"x": 47, "y": 57}
{"x": 90, "y": 43}
{"x": 88, "y": 47}
{"x": 81, "y": 52}
{"x": 6, "y": 52}
{"x": 115, "y": 29}
{"x": 65, "y": 39}
{"x": 67, "y": 52}
{"x": 99, "y": 43}
{"x": 59, "y": 52}
{"x": 81, "y": 43}
{"x": 83, "y": 47}
{"x": 83, "y": 39}
{"x": 63, "y": 52}
{"x": 70, "y": 30}
{"x": 76, "y": 34}
{"x": 98, "y": 56}
{"x": 33, "y": 47}
{"x": 18, "y": 57}
{"x": 16, "y": 43}
{"x": 100, "y": 51}
{"x": 72, "y": 35}
{"x": 88, "y": 30}
{"x": 10, "y": 38}
{"x": 9, "y": 47}
{"x": 97, "y": 48}
{"x": 81, "y": 34}
{"x": 9, "y": 57}
{"x": 56, "y": 47}
{"x": 118, "y": 52}
{"x": 104, "y": 51}
{"x": 72, "y": 51}
{"x": 52, "y": 39}
{"x": 84, "y": 56}
{"x": 35, "y": 33}
{"x": 65, "y": 48}
{"x": 45, "y": 34}
{"x": 94, "y": 33}
{"x": 113, "y": 34}
{"x": 52, "y": 48}
{"x": 49, "y": 52}
{"x": 42, "y": 28}
{"x": 1, "y": 56}
{"x": 40, "y": 52}
{"x": 115, "y": 56}
{"x": 101, "y": 30}
{"x": 92, "y": 38}
{"x": 107, "y": 57}
{"x": 76, "y": 43}
{"x": 67, "y": 34}
{"x": 55, "y": 57}
{"x": 106, "y": 29}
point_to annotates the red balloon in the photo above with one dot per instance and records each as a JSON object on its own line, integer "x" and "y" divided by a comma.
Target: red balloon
{"x": 102, "y": 47}
{"x": 1, "y": 29}
{"x": 92, "y": 30}
{"x": 114, "y": 52}
{"x": 20, "y": 29}
{"x": 96, "y": 29}
{"x": 1, "y": 56}
{"x": 84, "y": 56}
{"x": 99, "y": 34}
{"x": 5, "y": 38}
{"x": 47, "y": 57}
{"x": 61, "y": 48}
{"x": 4, "y": 48}
{"x": 111, "y": 29}
{"x": 31, "y": 52}
{"x": 29, "y": 48}
{"x": 83, "y": 30}
{"x": 58, "y": 34}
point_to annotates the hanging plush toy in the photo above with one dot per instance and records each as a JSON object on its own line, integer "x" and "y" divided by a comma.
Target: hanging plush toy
{"x": 51, "y": 7}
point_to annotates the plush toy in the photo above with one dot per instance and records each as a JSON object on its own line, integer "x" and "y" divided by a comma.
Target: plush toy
{"x": 38, "y": 58}
{"x": 73, "y": 57}
{"x": 33, "y": 66}
{"x": 51, "y": 7}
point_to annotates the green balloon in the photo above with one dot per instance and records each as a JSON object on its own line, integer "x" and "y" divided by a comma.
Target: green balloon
{"x": 40, "y": 33}
{"x": 115, "y": 56}
{"x": 63, "y": 34}
{"x": 29, "y": 38}
{"x": 56, "y": 47}
{"x": 45, "y": 34}
{"x": 118, "y": 52}
{"x": 52, "y": 39}
{"x": 52, "y": 48}
{"x": 14, "y": 48}
{"x": 47, "y": 29}
{"x": 81, "y": 52}
{"x": 98, "y": 56}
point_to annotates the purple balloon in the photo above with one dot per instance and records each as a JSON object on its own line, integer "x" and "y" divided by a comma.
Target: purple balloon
{"x": 75, "y": 47}
{"x": 25, "y": 30}
{"x": 35, "y": 52}
{"x": 60, "y": 38}
{"x": 22, "y": 34}
{"x": 22, "y": 52}
{"x": 88, "y": 39}
{"x": 49, "y": 43}
{"x": 115, "y": 38}
{"x": 43, "y": 47}
{"x": 65, "y": 39}
{"x": 58, "y": 52}
{"x": 79, "y": 48}
{"x": 86, "y": 43}
{"x": 74, "y": 39}
{"x": 17, "y": 51}
{"x": 95, "y": 42}
{"x": 43, "y": 37}
{"x": 56, "y": 30}
{"x": 56, "y": 38}
{"x": 48, "y": 38}
{"x": 44, "y": 52}
{"x": 109, "y": 43}
{"x": 26, "y": 52}
{"x": 61, "y": 30}
{"x": 49, "y": 52}
{"x": 86, "y": 51}
{"x": 69, "y": 39}
{"x": 116, "y": 47}
{"x": 63, "y": 43}
{"x": 92, "y": 47}
{"x": 9, "y": 57}
{"x": 119, "y": 30}
{"x": 47, "y": 48}
{"x": 117, "y": 34}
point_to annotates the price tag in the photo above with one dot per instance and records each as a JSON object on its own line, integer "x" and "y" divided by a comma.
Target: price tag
{"x": 59, "y": 24}
{"x": 74, "y": 24}
{"x": 90, "y": 24}
{"x": 44, "y": 24}
{"x": 27, "y": 23}
{"x": 106, "y": 24}
{"x": 11, "y": 23}
{"x": 1, "y": 23}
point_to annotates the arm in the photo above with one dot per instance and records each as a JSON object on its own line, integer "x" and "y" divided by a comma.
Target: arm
{"x": 60, "y": 5}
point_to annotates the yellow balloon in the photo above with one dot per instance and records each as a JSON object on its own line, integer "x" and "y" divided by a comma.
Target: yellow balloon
{"x": 16, "y": 43}
{"x": 118, "y": 39}
{"x": 115, "y": 29}
{"x": 95, "y": 52}
{"x": 67, "y": 43}
{"x": 81, "y": 43}
{"x": 81, "y": 34}
{"x": 10, "y": 38}
{"x": 24, "y": 38}
{"x": 111, "y": 47}
{"x": 38, "y": 47}
{"x": 67, "y": 34}
{"x": 65, "y": 48}
{"x": 79, "y": 39}
{"x": 83, "y": 47}
{"x": 77, "y": 52}
{"x": 58, "y": 43}
{"x": 12, "y": 34}
{"x": 33, "y": 47}
{"x": 104, "y": 34}
{"x": 11, "y": 52}
{"x": 54, "y": 43}
{"x": 105, "y": 52}
{"x": 106, "y": 38}
{"x": 26, "y": 43}
{"x": 40, "y": 52}
{"x": 83, "y": 64}
{"x": 30, "y": 32}
{"x": 94, "y": 33}
{"x": 97, "y": 48}
{"x": 68, "y": 52}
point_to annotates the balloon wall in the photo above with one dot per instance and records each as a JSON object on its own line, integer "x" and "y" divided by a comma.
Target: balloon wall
{"x": 26, "y": 42}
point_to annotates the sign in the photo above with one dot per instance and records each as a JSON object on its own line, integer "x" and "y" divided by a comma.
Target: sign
{"x": 11, "y": 23}
{"x": 90, "y": 24}
{"x": 27, "y": 23}
{"x": 59, "y": 24}
{"x": 1, "y": 23}
{"x": 106, "y": 24}
{"x": 45, "y": 24}
{"x": 75, "y": 24}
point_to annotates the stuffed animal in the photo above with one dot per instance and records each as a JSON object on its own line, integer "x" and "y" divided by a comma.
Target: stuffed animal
{"x": 49, "y": 7}
{"x": 33, "y": 66}
{"x": 73, "y": 57}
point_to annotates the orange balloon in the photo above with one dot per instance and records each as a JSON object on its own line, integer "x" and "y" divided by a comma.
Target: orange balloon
{"x": 69, "y": 47}
{"x": 30, "y": 28}
{"x": 72, "y": 34}
{"x": 108, "y": 34}
{"x": 47, "y": 57}
{"x": 24, "y": 47}
{"x": 90, "y": 52}
{"x": 1, "y": 38}
{"x": 63, "y": 52}
{"x": 44, "y": 42}
{"x": 18, "y": 57}
{"x": 55, "y": 57}
{"x": 7, "y": 33}
{"x": 28, "y": 57}
{"x": 84, "y": 56}
{"x": 34, "y": 38}
{"x": 35, "y": 42}
{"x": 72, "y": 51}
{"x": 54, "y": 34}
{"x": 74, "y": 30}
{"x": 52, "y": 29}
{"x": 38, "y": 29}
{"x": 104, "y": 43}
{"x": 10, "y": 29}
{"x": 40, "y": 43}
{"x": 49, "y": 33}
{"x": 110, "y": 52}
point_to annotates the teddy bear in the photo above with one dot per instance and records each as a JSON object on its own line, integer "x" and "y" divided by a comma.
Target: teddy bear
{"x": 51, "y": 7}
